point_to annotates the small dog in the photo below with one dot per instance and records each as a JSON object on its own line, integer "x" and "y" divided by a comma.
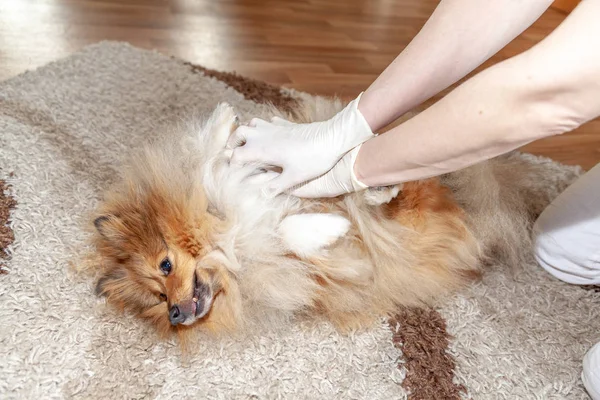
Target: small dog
{"x": 187, "y": 240}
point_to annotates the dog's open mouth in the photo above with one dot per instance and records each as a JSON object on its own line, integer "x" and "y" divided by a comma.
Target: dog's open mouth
{"x": 202, "y": 298}
{"x": 189, "y": 311}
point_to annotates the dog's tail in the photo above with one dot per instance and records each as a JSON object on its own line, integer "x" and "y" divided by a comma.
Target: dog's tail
{"x": 503, "y": 197}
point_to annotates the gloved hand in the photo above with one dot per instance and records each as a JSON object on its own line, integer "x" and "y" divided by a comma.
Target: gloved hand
{"x": 341, "y": 179}
{"x": 302, "y": 151}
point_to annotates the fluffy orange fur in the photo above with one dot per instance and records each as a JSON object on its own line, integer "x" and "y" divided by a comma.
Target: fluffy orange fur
{"x": 413, "y": 250}
{"x": 136, "y": 230}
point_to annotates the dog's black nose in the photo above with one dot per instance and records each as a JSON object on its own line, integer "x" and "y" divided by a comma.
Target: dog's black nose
{"x": 175, "y": 315}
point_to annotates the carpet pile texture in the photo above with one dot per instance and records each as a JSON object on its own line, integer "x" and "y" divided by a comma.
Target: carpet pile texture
{"x": 64, "y": 131}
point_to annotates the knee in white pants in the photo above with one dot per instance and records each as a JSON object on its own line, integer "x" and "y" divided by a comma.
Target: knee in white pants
{"x": 560, "y": 260}
{"x": 567, "y": 233}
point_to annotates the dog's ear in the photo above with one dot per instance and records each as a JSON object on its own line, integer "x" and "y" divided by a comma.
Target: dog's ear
{"x": 108, "y": 279}
{"x": 101, "y": 223}
{"x": 110, "y": 227}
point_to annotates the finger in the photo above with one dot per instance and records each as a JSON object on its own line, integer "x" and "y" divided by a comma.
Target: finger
{"x": 281, "y": 122}
{"x": 239, "y": 137}
{"x": 280, "y": 183}
{"x": 243, "y": 155}
{"x": 261, "y": 177}
{"x": 312, "y": 189}
{"x": 250, "y": 153}
{"x": 324, "y": 186}
{"x": 303, "y": 191}
{"x": 257, "y": 122}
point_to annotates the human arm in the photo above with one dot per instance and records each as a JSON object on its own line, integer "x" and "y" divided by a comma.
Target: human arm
{"x": 550, "y": 89}
{"x": 458, "y": 37}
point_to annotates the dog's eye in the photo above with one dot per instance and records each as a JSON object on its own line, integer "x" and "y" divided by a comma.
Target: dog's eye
{"x": 163, "y": 297}
{"x": 165, "y": 266}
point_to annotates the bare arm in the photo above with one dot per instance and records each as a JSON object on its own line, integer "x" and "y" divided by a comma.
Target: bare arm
{"x": 550, "y": 89}
{"x": 458, "y": 37}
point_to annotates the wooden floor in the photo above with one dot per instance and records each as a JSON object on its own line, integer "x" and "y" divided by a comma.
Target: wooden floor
{"x": 320, "y": 46}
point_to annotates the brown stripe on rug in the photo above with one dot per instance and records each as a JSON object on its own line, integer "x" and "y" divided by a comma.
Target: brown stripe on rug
{"x": 7, "y": 203}
{"x": 420, "y": 333}
{"x": 251, "y": 89}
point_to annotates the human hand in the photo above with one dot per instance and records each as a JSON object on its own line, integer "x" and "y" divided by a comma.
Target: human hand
{"x": 339, "y": 180}
{"x": 302, "y": 151}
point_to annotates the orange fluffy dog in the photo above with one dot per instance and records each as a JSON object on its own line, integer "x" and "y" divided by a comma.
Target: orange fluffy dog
{"x": 188, "y": 239}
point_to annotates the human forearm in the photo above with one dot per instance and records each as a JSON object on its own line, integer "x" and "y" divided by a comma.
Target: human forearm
{"x": 458, "y": 37}
{"x": 477, "y": 121}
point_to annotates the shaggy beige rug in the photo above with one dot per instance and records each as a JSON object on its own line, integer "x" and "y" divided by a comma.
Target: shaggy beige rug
{"x": 64, "y": 131}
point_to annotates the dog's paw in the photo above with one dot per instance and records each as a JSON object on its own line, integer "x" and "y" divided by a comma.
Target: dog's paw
{"x": 220, "y": 125}
{"x": 224, "y": 114}
{"x": 308, "y": 234}
{"x": 379, "y": 195}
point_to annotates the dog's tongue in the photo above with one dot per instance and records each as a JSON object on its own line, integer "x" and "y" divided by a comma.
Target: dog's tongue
{"x": 188, "y": 307}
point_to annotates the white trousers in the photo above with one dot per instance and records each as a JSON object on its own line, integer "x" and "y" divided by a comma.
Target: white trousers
{"x": 567, "y": 233}
{"x": 567, "y": 245}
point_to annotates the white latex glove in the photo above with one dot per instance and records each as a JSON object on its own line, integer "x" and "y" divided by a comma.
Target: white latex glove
{"x": 302, "y": 151}
{"x": 339, "y": 180}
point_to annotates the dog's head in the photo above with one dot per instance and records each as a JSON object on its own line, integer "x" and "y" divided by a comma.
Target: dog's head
{"x": 155, "y": 236}
{"x": 158, "y": 259}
